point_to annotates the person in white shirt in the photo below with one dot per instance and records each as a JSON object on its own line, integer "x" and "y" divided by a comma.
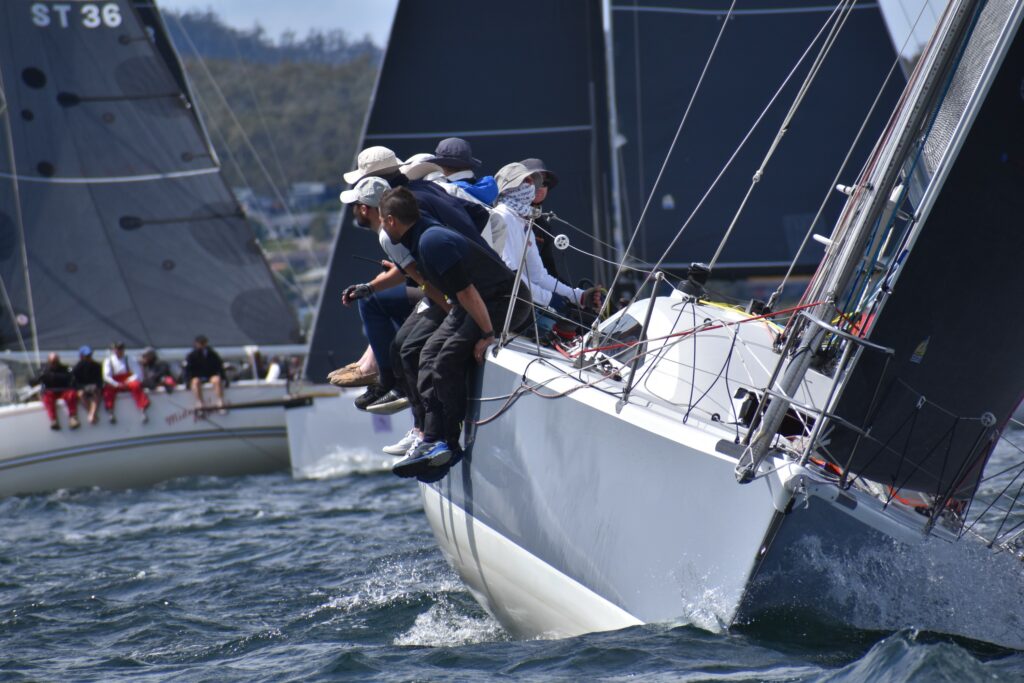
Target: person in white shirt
{"x": 121, "y": 373}
{"x": 510, "y": 235}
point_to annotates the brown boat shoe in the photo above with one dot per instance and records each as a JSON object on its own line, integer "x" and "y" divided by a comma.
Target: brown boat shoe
{"x": 334, "y": 373}
{"x": 353, "y": 377}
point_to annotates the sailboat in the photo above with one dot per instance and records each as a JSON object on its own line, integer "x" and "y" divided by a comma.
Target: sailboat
{"x": 694, "y": 462}
{"x": 591, "y": 54}
{"x": 116, "y": 224}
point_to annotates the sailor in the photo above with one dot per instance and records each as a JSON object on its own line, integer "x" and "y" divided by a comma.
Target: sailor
{"x": 468, "y": 217}
{"x": 202, "y": 365}
{"x": 57, "y": 382}
{"x": 459, "y": 166}
{"x": 89, "y": 380}
{"x": 155, "y": 372}
{"x": 480, "y": 287}
{"x": 541, "y": 225}
{"x": 384, "y": 302}
{"x": 121, "y": 373}
{"x": 517, "y": 190}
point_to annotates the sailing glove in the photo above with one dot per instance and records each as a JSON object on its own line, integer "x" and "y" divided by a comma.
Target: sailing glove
{"x": 354, "y": 292}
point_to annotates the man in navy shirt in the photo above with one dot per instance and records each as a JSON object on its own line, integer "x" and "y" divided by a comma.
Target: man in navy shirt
{"x": 479, "y": 284}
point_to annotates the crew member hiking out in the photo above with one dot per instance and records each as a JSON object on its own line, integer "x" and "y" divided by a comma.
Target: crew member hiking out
{"x": 478, "y": 282}
{"x": 121, "y": 373}
{"x": 57, "y": 382}
{"x": 202, "y": 365}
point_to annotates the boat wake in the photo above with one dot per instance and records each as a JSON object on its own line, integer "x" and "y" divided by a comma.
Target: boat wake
{"x": 344, "y": 461}
{"x": 447, "y": 624}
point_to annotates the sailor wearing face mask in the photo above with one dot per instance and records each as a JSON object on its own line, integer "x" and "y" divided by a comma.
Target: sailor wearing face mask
{"x": 510, "y": 234}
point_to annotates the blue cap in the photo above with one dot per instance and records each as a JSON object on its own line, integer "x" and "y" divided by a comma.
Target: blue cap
{"x": 85, "y": 350}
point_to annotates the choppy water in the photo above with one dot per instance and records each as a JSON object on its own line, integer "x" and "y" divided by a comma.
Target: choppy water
{"x": 265, "y": 578}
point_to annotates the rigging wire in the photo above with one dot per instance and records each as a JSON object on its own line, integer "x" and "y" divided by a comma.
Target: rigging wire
{"x": 743, "y": 142}
{"x": 812, "y": 74}
{"x": 20, "y": 221}
{"x": 241, "y": 130}
{"x": 672, "y": 146}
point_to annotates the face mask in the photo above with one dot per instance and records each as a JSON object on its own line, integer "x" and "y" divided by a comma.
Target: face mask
{"x": 519, "y": 199}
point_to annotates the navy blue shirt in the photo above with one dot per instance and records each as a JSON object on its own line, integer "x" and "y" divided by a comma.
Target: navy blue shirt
{"x": 466, "y": 218}
{"x": 451, "y": 261}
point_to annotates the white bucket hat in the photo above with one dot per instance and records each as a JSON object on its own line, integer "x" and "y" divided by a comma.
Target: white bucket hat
{"x": 367, "y": 191}
{"x": 373, "y": 160}
{"x": 511, "y": 175}
{"x": 419, "y": 166}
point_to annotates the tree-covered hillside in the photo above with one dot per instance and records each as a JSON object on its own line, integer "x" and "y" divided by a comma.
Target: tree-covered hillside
{"x": 296, "y": 104}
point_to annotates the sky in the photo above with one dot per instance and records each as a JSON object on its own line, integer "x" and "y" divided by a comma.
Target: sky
{"x": 356, "y": 17}
{"x": 373, "y": 17}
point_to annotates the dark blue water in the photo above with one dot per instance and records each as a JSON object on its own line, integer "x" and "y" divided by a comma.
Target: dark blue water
{"x": 265, "y": 578}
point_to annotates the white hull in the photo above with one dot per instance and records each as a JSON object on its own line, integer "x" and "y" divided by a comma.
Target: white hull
{"x": 330, "y": 436}
{"x": 174, "y": 443}
{"x": 575, "y": 515}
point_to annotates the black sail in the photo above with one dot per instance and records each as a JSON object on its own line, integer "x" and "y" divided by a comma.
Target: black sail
{"x": 660, "y": 48}
{"x": 956, "y": 376}
{"x": 517, "y": 81}
{"x": 130, "y": 231}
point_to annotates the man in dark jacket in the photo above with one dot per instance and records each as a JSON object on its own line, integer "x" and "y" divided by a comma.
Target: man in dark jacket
{"x": 89, "y": 381}
{"x": 57, "y": 383}
{"x": 155, "y": 372}
{"x": 202, "y": 365}
{"x": 479, "y": 284}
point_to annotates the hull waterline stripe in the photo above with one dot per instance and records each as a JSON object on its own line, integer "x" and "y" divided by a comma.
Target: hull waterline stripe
{"x": 106, "y": 180}
{"x": 103, "y": 446}
{"x": 721, "y": 12}
{"x": 479, "y": 133}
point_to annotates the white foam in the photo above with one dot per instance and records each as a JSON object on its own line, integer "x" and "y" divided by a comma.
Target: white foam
{"x": 445, "y": 625}
{"x": 344, "y": 461}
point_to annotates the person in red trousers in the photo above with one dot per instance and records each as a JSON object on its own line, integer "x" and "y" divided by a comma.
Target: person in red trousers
{"x": 58, "y": 383}
{"x": 121, "y": 373}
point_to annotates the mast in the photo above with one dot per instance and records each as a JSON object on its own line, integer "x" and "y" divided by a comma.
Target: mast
{"x": 618, "y": 237}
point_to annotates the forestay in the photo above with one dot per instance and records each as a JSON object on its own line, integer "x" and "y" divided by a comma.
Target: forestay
{"x": 933, "y": 411}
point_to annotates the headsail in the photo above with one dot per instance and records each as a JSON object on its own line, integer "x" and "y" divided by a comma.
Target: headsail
{"x": 660, "y": 49}
{"x": 933, "y": 410}
{"x": 130, "y": 231}
{"x": 517, "y": 81}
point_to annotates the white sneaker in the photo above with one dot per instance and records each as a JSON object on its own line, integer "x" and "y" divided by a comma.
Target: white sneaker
{"x": 403, "y": 446}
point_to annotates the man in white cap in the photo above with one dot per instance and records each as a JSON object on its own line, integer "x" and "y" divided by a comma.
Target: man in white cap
{"x": 373, "y": 161}
{"x": 384, "y": 303}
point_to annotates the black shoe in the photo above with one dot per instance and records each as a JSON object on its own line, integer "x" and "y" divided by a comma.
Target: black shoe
{"x": 389, "y": 403}
{"x": 423, "y": 459}
{"x": 372, "y": 394}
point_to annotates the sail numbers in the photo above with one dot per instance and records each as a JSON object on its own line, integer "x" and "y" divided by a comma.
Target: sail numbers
{"x": 64, "y": 14}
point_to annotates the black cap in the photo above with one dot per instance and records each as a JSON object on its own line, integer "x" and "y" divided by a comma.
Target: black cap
{"x": 538, "y": 166}
{"x": 119, "y": 345}
{"x": 455, "y": 153}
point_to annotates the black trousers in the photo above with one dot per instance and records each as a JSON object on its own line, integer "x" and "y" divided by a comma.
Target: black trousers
{"x": 448, "y": 355}
{"x": 405, "y": 355}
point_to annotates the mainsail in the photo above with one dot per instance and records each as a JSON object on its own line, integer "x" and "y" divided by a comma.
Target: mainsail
{"x": 517, "y": 81}
{"x": 111, "y": 193}
{"x": 932, "y": 412}
{"x": 660, "y": 48}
